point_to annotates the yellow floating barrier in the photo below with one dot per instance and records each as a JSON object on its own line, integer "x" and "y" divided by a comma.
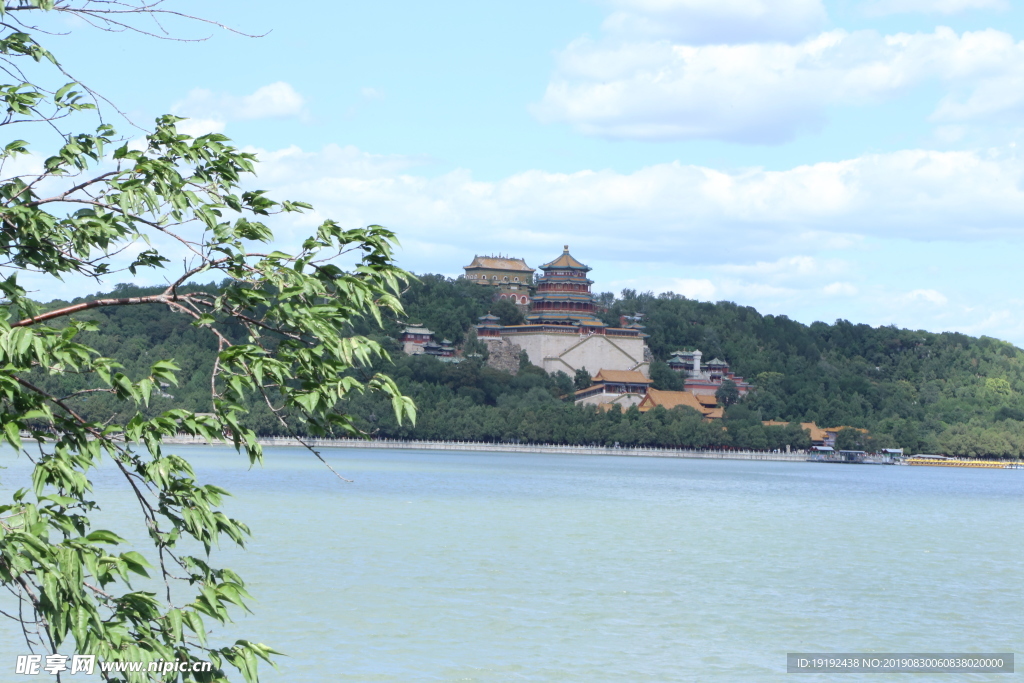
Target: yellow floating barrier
{"x": 986, "y": 464}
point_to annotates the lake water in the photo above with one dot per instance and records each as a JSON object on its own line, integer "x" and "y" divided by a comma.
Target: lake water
{"x": 435, "y": 566}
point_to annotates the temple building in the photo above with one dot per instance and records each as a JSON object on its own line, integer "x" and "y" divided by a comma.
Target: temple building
{"x": 417, "y": 339}
{"x": 707, "y": 378}
{"x": 672, "y": 399}
{"x": 443, "y": 350}
{"x": 619, "y": 387}
{"x": 563, "y": 295}
{"x": 511, "y": 278}
{"x": 490, "y": 326}
{"x": 631, "y": 322}
{"x": 562, "y": 331}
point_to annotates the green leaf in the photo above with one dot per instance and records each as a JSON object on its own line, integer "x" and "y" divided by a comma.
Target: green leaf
{"x": 11, "y": 432}
{"x": 195, "y": 624}
{"x": 136, "y": 563}
{"x": 174, "y": 618}
{"x": 103, "y": 536}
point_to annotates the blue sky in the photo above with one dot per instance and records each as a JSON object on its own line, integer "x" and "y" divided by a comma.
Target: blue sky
{"x": 855, "y": 159}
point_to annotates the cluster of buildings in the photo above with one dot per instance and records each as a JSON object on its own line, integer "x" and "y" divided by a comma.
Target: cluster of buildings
{"x": 563, "y": 332}
{"x": 707, "y": 378}
{"x": 626, "y": 389}
{"x": 417, "y": 339}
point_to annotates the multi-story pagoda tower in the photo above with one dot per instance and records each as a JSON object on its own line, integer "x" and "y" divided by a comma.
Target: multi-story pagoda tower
{"x": 562, "y": 332}
{"x": 563, "y": 295}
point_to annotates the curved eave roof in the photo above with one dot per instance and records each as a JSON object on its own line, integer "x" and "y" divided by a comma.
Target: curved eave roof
{"x": 565, "y": 261}
{"x": 621, "y": 377}
{"x": 495, "y": 263}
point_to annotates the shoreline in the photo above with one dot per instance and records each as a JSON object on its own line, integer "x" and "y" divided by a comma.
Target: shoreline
{"x": 487, "y": 447}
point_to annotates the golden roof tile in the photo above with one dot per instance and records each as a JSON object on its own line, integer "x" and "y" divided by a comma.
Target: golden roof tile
{"x": 565, "y": 261}
{"x": 621, "y": 377}
{"x": 499, "y": 263}
{"x": 670, "y": 400}
{"x": 817, "y": 433}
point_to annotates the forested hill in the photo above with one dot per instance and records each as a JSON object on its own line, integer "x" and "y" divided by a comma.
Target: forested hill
{"x": 927, "y": 392}
{"x": 945, "y": 392}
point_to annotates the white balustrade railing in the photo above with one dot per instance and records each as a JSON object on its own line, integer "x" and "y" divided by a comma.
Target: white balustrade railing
{"x": 509, "y": 447}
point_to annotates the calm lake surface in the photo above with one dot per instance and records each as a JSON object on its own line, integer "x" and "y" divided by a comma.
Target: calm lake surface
{"x": 437, "y": 566}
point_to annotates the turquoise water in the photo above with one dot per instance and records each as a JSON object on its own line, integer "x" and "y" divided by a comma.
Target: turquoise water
{"x": 436, "y": 566}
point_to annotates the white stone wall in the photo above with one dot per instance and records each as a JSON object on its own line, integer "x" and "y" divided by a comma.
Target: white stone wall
{"x": 624, "y": 400}
{"x": 570, "y": 352}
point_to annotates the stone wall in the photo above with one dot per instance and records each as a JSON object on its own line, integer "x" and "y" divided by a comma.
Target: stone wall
{"x": 556, "y": 351}
{"x": 412, "y": 348}
{"x": 503, "y": 355}
{"x": 624, "y": 400}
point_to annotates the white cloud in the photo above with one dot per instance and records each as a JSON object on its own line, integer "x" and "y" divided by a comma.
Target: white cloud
{"x": 197, "y": 127}
{"x": 294, "y": 166}
{"x": 274, "y": 101}
{"x": 716, "y": 21}
{"x": 770, "y": 92}
{"x": 741, "y": 290}
{"x": 773, "y": 224}
{"x": 760, "y": 238}
{"x": 709, "y": 289}
{"x": 927, "y": 295}
{"x": 701, "y": 290}
{"x": 786, "y": 267}
{"x": 840, "y": 289}
{"x": 30, "y": 164}
{"x": 277, "y": 100}
{"x": 883, "y": 7}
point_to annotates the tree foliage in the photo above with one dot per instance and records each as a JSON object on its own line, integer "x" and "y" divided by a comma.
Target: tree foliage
{"x": 474, "y": 402}
{"x": 727, "y": 394}
{"x": 912, "y": 389}
{"x": 851, "y": 439}
{"x": 277, "y": 330}
{"x": 920, "y": 391}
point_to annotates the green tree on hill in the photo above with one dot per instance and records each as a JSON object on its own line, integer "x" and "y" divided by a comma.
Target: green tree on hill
{"x": 851, "y": 439}
{"x": 920, "y": 391}
{"x": 727, "y": 394}
{"x": 665, "y": 378}
{"x": 564, "y": 385}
